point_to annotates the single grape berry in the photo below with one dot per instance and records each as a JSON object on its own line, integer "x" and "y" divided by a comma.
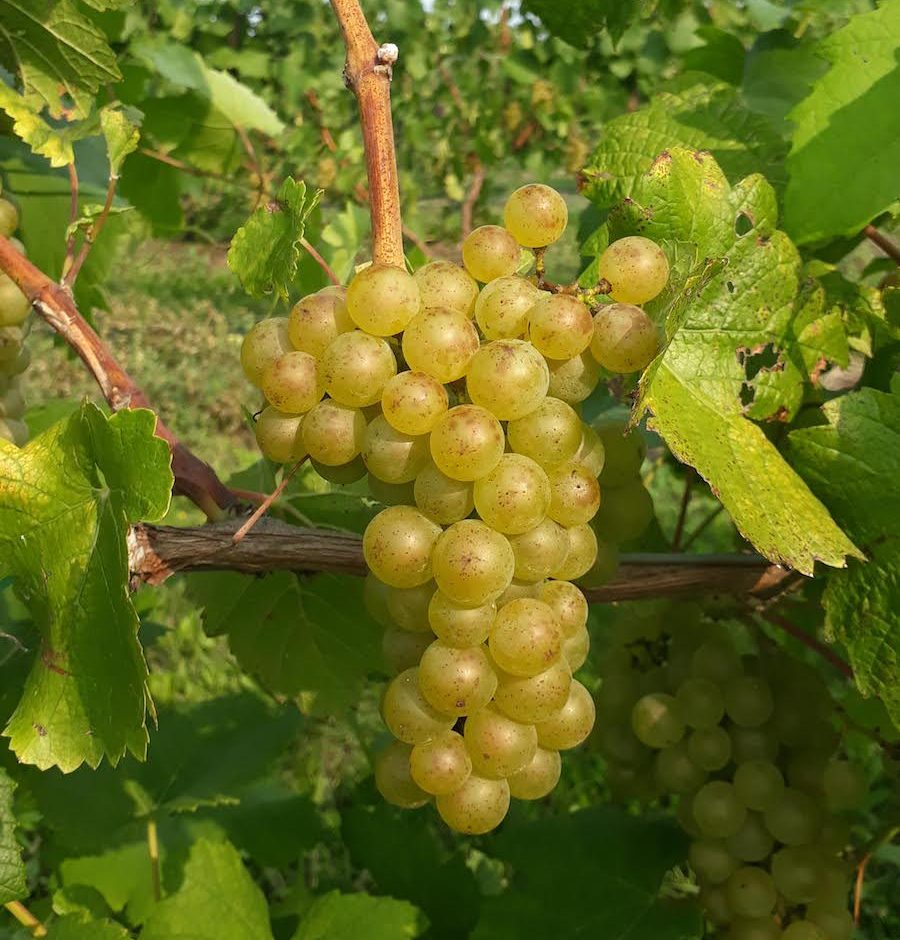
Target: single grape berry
{"x": 573, "y": 380}
{"x": 490, "y": 252}
{"x": 393, "y": 778}
{"x": 9, "y": 218}
{"x": 440, "y": 342}
{"x": 538, "y": 777}
{"x": 467, "y": 442}
{"x": 398, "y": 545}
{"x": 444, "y": 284}
{"x": 636, "y": 267}
{"x": 624, "y": 339}
{"x": 560, "y": 326}
{"x": 317, "y": 320}
{"x": 549, "y": 435}
{"x": 292, "y": 383}
{"x": 279, "y": 436}
{"x": 571, "y": 725}
{"x": 442, "y": 764}
{"x": 442, "y": 498}
{"x": 536, "y": 215}
{"x": 382, "y": 299}
{"x": 267, "y": 341}
{"x": 478, "y": 806}
{"x": 413, "y": 402}
{"x": 525, "y": 638}
{"x": 501, "y": 310}
{"x": 509, "y": 377}
{"x": 514, "y": 497}
{"x": 657, "y": 721}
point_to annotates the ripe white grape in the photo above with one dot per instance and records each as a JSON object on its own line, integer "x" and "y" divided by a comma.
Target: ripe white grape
{"x": 758, "y": 783}
{"x": 279, "y": 436}
{"x": 513, "y": 497}
{"x": 716, "y": 659}
{"x": 675, "y": 772}
{"x": 442, "y": 764}
{"x": 398, "y": 545}
{"x": 575, "y": 649}
{"x": 498, "y": 745}
{"x": 701, "y": 702}
{"x": 267, "y": 341}
{"x": 748, "y": 701}
{"x": 568, "y": 603}
{"x": 490, "y": 252}
{"x": 751, "y": 892}
{"x": 9, "y": 218}
{"x": 794, "y": 818}
{"x": 356, "y": 367}
{"x": 393, "y": 779}
{"x": 444, "y": 284}
{"x": 834, "y": 923}
{"x": 535, "y": 698}
{"x": 478, "y": 806}
{"x": 754, "y": 928}
{"x": 333, "y": 433}
{"x": 657, "y": 720}
{"x": 501, "y": 310}
{"x": 625, "y": 514}
{"x": 715, "y": 905}
{"x": 460, "y": 626}
{"x": 382, "y": 299}
{"x": 752, "y": 842}
{"x": 408, "y": 607}
{"x": 717, "y": 810}
{"x": 509, "y": 377}
{"x": 440, "y": 342}
{"x": 803, "y": 930}
{"x": 456, "y": 681}
{"x": 710, "y": 748}
{"x": 575, "y": 494}
{"x": 14, "y": 305}
{"x": 538, "y": 777}
{"x": 573, "y": 380}
{"x": 636, "y": 267}
{"x": 591, "y": 453}
{"x": 516, "y": 589}
{"x": 625, "y": 338}
{"x": 581, "y": 555}
{"x": 752, "y": 744}
{"x": 442, "y": 498}
{"x": 413, "y": 402}
{"x": 292, "y": 383}
{"x": 393, "y": 456}
{"x": 407, "y": 714}
{"x": 317, "y": 320}
{"x": 540, "y": 550}
{"x": 796, "y": 870}
{"x": 467, "y": 442}
{"x": 472, "y": 563}
{"x": 536, "y": 215}
{"x": 571, "y": 724}
{"x": 402, "y": 649}
{"x": 711, "y": 860}
{"x": 525, "y": 638}
{"x": 560, "y": 326}
{"x": 550, "y": 435}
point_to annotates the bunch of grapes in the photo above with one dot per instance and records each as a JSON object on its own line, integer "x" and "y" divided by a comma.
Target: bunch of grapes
{"x": 748, "y": 745}
{"x": 460, "y": 404}
{"x": 14, "y": 358}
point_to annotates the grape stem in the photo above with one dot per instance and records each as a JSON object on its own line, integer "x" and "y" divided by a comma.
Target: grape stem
{"x": 263, "y": 507}
{"x": 26, "y": 918}
{"x": 92, "y": 234}
{"x": 883, "y": 242}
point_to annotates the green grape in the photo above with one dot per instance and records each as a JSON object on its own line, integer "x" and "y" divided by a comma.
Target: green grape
{"x": 538, "y": 777}
{"x": 444, "y": 284}
{"x": 442, "y": 764}
{"x": 407, "y": 714}
{"x": 525, "y": 638}
{"x": 514, "y": 496}
{"x": 408, "y": 607}
{"x": 460, "y": 626}
{"x": 591, "y": 453}
{"x": 573, "y": 380}
{"x": 382, "y": 299}
{"x": 440, "y": 342}
{"x": 9, "y": 218}
{"x": 11, "y": 338}
{"x": 710, "y": 748}
{"x": 581, "y": 555}
{"x": 575, "y": 649}
{"x": 636, "y": 267}
{"x": 14, "y": 305}
{"x": 571, "y": 725}
{"x": 414, "y": 402}
{"x": 456, "y": 681}
{"x": 748, "y": 701}
{"x": 618, "y": 743}
{"x": 750, "y": 891}
{"x": 717, "y": 810}
{"x": 701, "y": 702}
{"x": 711, "y": 860}
{"x": 835, "y": 835}
{"x": 802, "y": 930}
{"x": 752, "y": 744}
{"x": 392, "y": 456}
{"x": 560, "y": 326}
{"x": 16, "y": 432}
{"x": 498, "y": 745}
{"x": 758, "y": 783}
{"x": 684, "y": 814}
{"x": 267, "y": 341}
{"x": 509, "y": 377}
{"x": 574, "y": 494}
{"x": 478, "y": 806}
{"x": 716, "y": 660}
{"x": 833, "y": 923}
{"x": 402, "y": 649}
{"x": 796, "y": 870}
{"x": 844, "y": 784}
{"x": 393, "y": 780}
{"x": 625, "y": 513}
{"x": 473, "y": 564}
{"x": 375, "y": 594}
{"x": 490, "y": 252}
{"x": 675, "y": 771}
{"x": 516, "y": 589}
{"x": 605, "y": 566}
{"x": 625, "y": 338}
{"x": 568, "y": 603}
{"x": 467, "y": 443}
{"x": 12, "y": 405}
{"x": 549, "y": 435}
{"x": 356, "y": 367}
{"x": 617, "y": 696}
{"x": 317, "y": 320}
{"x": 334, "y": 434}
{"x": 342, "y": 474}
{"x": 536, "y": 215}
{"x": 501, "y": 310}
{"x": 794, "y": 819}
{"x": 715, "y": 904}
{"x": 754, "y": 928}
{"x": 390, "y": 494}
{"x": 442, "y": 498}
{"x": 398, "y": 545}
{"x": 806, "y": 770}
{"x": 657, "y": 721}
{"x": 536, "y": 698}
{"x": 624, "y": 452}
{"x": 539, "y": 550}
{"x": 292, "y": 383}
{"x": 752, "y": 842}
{"x": 19, "y": 362}
{"x": 279, "y": 436}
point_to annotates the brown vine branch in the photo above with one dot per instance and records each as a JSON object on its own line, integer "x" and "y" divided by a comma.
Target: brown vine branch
{"x": 808, "y": 640}
{"x": 883, "y": 242}
{"x": 468, "y": 207}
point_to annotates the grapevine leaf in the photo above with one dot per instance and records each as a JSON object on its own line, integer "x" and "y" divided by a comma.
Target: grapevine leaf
{"x": 154, "y": 189}
{"x": 579, "y": 24}
{"x": 336, "y": 916}
{"x": 265, "y": 251}
{"x": 119, "y": 875}
{"x": 89, "y": 215}
{"x": 218, "y": 900}
{"x": 122, "y": 135}
{"x": 850, "y": 120}
{"x": 104, "y": 5}
{"x": 12, "y": 867}
{"x": 55, "y": 47}
{"x": 69, "y": 496}
{"x": 53, "y": 143}
{"x": 351, "y": 512}
{"x": 75, "y": 927}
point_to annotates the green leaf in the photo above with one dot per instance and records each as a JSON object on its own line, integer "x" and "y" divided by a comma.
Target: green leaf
{"x": 53, "y": 143}
{"x": 74, "y": 927}
{"x": 122, "y": 136}
{"x": 579, "y": 24}
{"x": 218, "y": 900}
{"x": 89, "y": 215}
{"x": 846, "y": 145}
{"x": 12, "y": 867}
{"x": 56, "y": 49}
{"x": 265, "y": 251}
{"x": 336, "y": 916}
{"x": 69, "y": 496}
{"x": 154, "y": 189}
{"x": 119, "y": 875}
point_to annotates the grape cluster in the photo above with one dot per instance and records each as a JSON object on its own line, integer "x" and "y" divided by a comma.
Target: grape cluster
{"x": 748, "y": 745}
{"x": 459, "y": 404}
{"x": 14, "y": 358}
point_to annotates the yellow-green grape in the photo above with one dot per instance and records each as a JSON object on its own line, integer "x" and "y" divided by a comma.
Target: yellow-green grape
{"x": 382, "y": 299}
{"x": 625, "y": 338}
{"x": 751, "y": 892}
{"x": 509, "y": 377}
{"x": 467, "y": 443}
{"x": 568, "y": 603}
{"x": 758, "y": 783}
{"x": 844, "y": 785}
{"x": 710, "y": 748}
{"x": 402, "y": 649}
{"x": 636, "y": 268}
{"x": 560, "y": 326}
{"x": 472, "y": 563}
{"x": 575, "y": 649}
{"x": 525, "y": 638}
{"x": 317, "y": 320}
{"x": 605, "y": 566}
{"x": 333, "y": 434}
{"x": 794, "y": 818}
{"x": 752, "y": 842}
{"x": 444, "y": 284}
{"x": 625, "y": 512}
{"x": 440, "y": 342}
{"x": 498, "y": 745}
{"x": 456, "y": 681}
{"x": 343, "y": 474}
{"x": 624, "y": 452}
{"x": 408, "y": 607}
{"x": 537, "y": 698}
{"x": 549, "y": 435}
{"x": 796, "y": 870}
{"x": 535, "y": 215}
{"x": 442, "y": 764}
{"x": 591, "y": 453}
{"x": 834, "y": 923}
{"x": 803, "y": 930}
{"x": 460, "y": 626}
{"x": 711, "y": 860}
{"x": 502, "y": 307}
{"x": 715, "y": 905}
{"x": 12, "y": 404}
{"x": 674, "y": 770}
{"x": 391, "y": 494}
{"x": 393, "y": 456}
{"x": 407, "y": 713}
{"x": 490, "y": 252}
{"x": 716, "y": 659}
{"x": 14, "y": 305}
{"x": 574, "y": 494}
{"x": 477, "y": 807}
{"x": 18, "y": 363}
{"x": 442, "y": 498}
{"x": 16, "y": 432}
{"x": 9, "y": 218}
{"x": 571, "y": 725}
{"x": 514, "y": 496}
{"x": 291, "y": 383}
{"x": 754, "y": 928}
{"x": 581, "y": 555}
{"x": 517, "y": 589}
{"x": 414, "y": 402}
{"x": 538, "y": 777}
{"x": 356, "y": 367}
{"x": 279, "y": 436}
{"x": 393, "y": 778}
{"x": 398, "y": 545}
{"x": 656, "y": 720}
{"x": 267, "y": 341}
{"x": 540, "y": 550}
{"x": 701, "y": 702}
{"x": 717, "y": 810}
{"x": 573, "y": 380}
{"x": 748, "y": 701}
